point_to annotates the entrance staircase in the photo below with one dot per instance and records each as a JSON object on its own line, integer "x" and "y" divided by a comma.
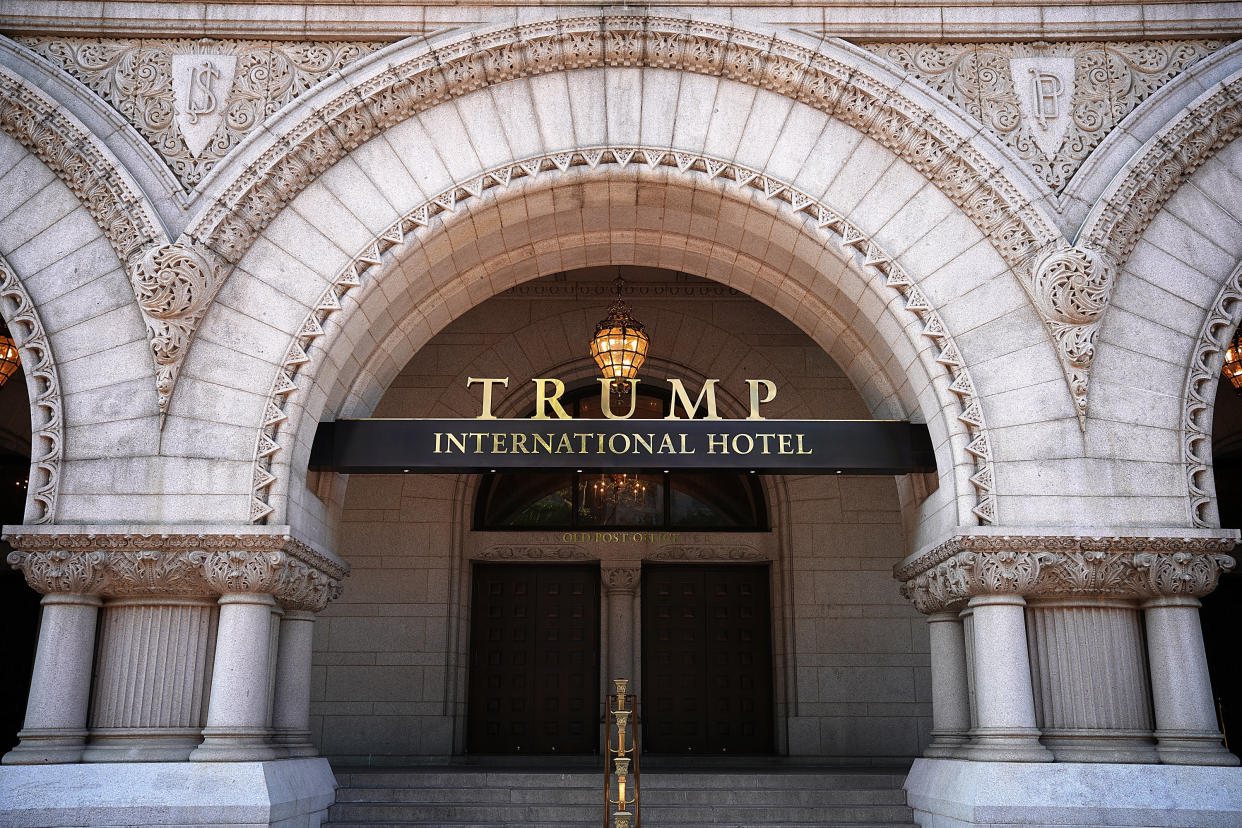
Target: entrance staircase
{"x": 476, "y": 797}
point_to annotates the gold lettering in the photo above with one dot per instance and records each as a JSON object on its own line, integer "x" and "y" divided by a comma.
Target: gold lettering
{"x": 437, "y": 448}
{"x": 679, "y": 393}
{"x": 543, "y": 399}
{"x": 544, "y": 440}
{"x": 563, "y": 445}
{"x": 478, "y": 441}
{"x": 684, "y": 450}
{"x": 599, "y": 443}
{"x": 582, "y": 441}
{"x": 800, "y": 449}
{"x": 764, "y": 438}
{"x": 643, "y": 441}
{"x": 717, "y": 444}
{"x": 605, "y": 398}
{"x": 519, "y": 444}
{"x": 499, "y": 443}
{"x": 612, "y": 444}
{"x": 666, "y": 445}
{"x": 454, "y": 441}
{"x": 755, "y": 402}
{"x": 786, "y": 444}
{"x": 750, "y": 443}
{"x": 488, "y": 382}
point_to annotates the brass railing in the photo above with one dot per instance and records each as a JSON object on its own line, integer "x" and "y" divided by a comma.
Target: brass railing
{"x": 621, "y": 789}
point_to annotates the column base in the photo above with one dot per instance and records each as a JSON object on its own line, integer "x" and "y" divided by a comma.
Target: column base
{"x": 1089, "y": 745}
{"x": 948, "y": 793}
{"x": 1008, "y": 745}
{"x": 234, "y": 745}
{"x": 295, "y": 744}
{"x": 141, "y": 744}
{"x": 47, "y": 747}
{"x": 1180, "y": 747}
{"x": 292, "y": 793}
{"x": 949, "y": 745}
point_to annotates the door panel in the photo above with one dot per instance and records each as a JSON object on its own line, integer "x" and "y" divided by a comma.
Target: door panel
{"x": 534, "y": 659}
{"x": 707, "y": 659}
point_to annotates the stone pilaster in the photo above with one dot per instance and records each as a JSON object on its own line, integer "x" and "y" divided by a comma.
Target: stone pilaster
{"x": 291, "y": 704}
{"x": 1091, "y": 680}
{"x": 150, "y": 695}
{"x": 1092, "y": 695}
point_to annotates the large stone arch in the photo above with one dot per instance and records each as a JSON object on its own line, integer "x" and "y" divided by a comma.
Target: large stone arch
{"x": 67, "y": 289}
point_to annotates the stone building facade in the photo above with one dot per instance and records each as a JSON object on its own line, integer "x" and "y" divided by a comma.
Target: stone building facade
{"x": 222, "y": 225}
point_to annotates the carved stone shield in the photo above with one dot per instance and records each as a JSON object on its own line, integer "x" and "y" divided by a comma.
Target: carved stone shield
{"x": 201, "y": 88}
{"x": 1045, "y": 87}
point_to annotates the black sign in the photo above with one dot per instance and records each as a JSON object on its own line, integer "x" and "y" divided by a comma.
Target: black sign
{"x": 777, "y": 446}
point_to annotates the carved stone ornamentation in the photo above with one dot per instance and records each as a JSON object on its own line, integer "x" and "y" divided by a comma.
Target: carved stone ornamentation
{"x": 195, "y": 100}
{"x": 61, "y": 570}
{"x": 708, "y": 553}
{"x": 43, "y": 384}
{"x": 1072, "y": 287}
{"x": 128, "y": 565}
{"x": 620, "y": 578}
{"x": 81, "y": 161}
{"x": 174, "y": 284}
{"x": 306, "y": 345}
{"x": 1130, "y": 568}
{"x": 534, "y": 552}
{"x": 1053, "y": 103}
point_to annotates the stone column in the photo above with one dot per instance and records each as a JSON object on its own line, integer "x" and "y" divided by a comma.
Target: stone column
{"x": 150, "y": 694}
{"x": 237, "y": 718}
{"x": 620, "y": 584}
{"x": 1092, "y": 699}
{"x": 1186, "y": 727}
{"x": 1006, "y": 729}
{"x": 55, "y": 725}
{"x": 950, "y": 688}
{"x": 291, "y": 706}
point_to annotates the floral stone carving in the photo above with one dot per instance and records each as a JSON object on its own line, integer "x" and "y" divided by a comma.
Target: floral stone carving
{"x": 1135, "y": 568}
{"x": 174, "y": 284}
{"x": 132, "y": 564}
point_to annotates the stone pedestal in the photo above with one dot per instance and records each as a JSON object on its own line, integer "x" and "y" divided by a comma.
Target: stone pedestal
{"x": 620, "y": 584}
{"x": 291, "y": 705}
{"x": 1186, "y": 728}
{"x": 948, "y": 793}
{"x": 950, "y": 693}
{"x": 291, "y": 793}
{"x": 1005, "y": 729}
{"x": 150, "y": 695}
{"x": 55, "y": 725}
{"x": 1092, "y": 697}
{"x": 237, "y": 719}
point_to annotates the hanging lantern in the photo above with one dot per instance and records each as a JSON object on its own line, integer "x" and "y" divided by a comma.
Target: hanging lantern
{"x": 9, "y": 360}
{"x": 619, "y": 345}
{"x": 1233, "y": 361}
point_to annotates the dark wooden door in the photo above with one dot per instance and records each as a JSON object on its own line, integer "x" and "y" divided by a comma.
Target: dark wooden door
{"x": 534, "y": 659}
{"x": 707, "y": 659}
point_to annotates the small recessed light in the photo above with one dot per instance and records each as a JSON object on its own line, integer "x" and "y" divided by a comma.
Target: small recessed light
{"x": 405, "y": 471}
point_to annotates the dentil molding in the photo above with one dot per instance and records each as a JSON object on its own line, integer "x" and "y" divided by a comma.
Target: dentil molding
{"x": 130, "y": 564}
{"x": 1129, "y": 567}
{"x": 534, "y": 552}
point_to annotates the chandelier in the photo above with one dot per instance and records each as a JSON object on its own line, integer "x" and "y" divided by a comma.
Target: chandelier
{"x": 619, "y": 345}
{"x": 617, "y": 490}
{"x": 1233, "y": 361}
{"x": 9, "y": 360}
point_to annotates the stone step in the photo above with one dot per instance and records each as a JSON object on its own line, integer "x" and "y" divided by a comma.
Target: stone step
{"x": 647, "y": 822}
{"x": 652, "y": 795}
{"x": 752, "y": 814}
{"x": 830, "y": 780}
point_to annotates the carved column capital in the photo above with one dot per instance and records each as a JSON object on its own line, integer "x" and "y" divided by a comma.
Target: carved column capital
{"x": 76, "y": 571}
{"x": 1136, "y": 567}
{"x": 124, "y": 564}
{"x": 620, "y": 578}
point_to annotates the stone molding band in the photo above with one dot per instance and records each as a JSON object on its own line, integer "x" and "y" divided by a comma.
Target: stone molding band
{"x": 1135, "y": 568}
{"x": 126, "y": 565}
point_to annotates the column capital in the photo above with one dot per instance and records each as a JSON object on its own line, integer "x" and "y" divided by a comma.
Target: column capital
{"x": 620, "y": 578}
{"x": 115, "y": 561}
{"x": 1133, "y": 565}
